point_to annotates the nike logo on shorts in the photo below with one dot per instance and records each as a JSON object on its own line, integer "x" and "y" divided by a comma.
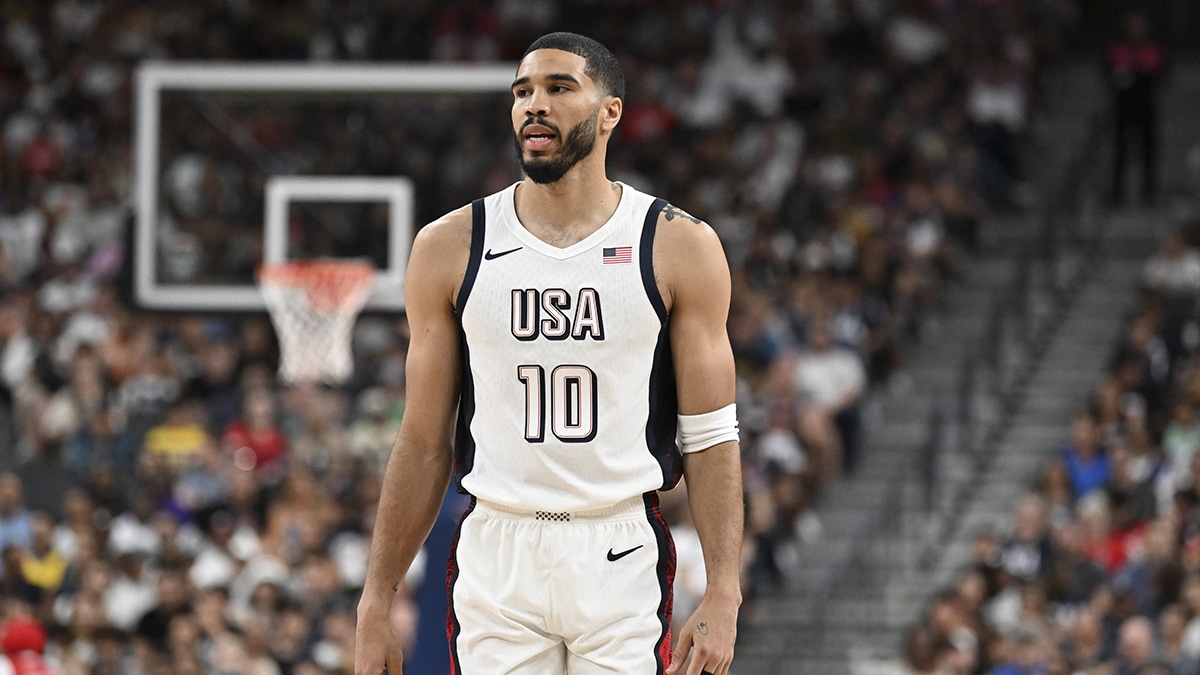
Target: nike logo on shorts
{"x": 492, "y": 256}
{"x": 613, "y": 557}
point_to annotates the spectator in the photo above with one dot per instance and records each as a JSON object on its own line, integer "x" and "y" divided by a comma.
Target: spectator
{"x": 1130, "y": 490}
{"x": 1154, "y": 571}
{"x": 77, "y": 529}
{"x": 298, "y": 522}
{"x": 254, "y": 439}
{"x": 921, "y": 652}
{"x": 24, "y": 642}
{"x": 1056, "y": 490}
{"x": 956, "y": 630}
{"x": 1143, "y": 367}
{"x": 1190, "y": 595}
{"x": 16, "y": 524}
{"x": 1175, "y": 269}
{"x": 179, "y": 437}
{"x": 1085, "y": 642}
{"x": 372, "y": 434}
{"x": 1072, "y": 578}
{"x": 43, "y": 567}
{"x": 996, "y": 103}
{"x": 13, "y": 584}
{"x": 1026, "y": 554}
{"x": 186, "y": 650}
{"x": 1085, "y": 459}
{"x": 289, "y": 641}
{"x": 133, "y": 531}
{"x": 1180, "y": 444}
{"x": 132, "y": 591}
{"x": 1136, "y": 65}
{"x": 1101, "y": 542}
{"x": 830, "y": 381}
{"x": 171, "y": 601}
{"x": 114, "y": 653}
{"x": 1136, "y": 647}
{"x": 212, "y": 611}
{"x": 1171, "y": 623}
{"x": 204, "y": 480}
{"x": 1024, "y": 653}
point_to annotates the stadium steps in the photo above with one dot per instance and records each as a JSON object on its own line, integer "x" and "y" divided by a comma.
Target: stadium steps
{"x": 804, "y": 630}
{"x": 1074, "y": 361}
{"x": 1063, "y": 380}
{"x": 858, "y": 626}
{"x": 786, "y": 638}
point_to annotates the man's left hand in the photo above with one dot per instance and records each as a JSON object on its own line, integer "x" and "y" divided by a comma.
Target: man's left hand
{"x": 708, "y": 635}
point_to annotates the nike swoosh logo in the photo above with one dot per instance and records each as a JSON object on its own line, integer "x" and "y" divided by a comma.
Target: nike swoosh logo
{"x": 492, "y": 256}
{"x": 613, "y": 557}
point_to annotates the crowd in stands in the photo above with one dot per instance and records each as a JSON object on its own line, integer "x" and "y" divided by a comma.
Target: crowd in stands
{"x": 1099, "y": 571}
{"x": 169, "y": 506}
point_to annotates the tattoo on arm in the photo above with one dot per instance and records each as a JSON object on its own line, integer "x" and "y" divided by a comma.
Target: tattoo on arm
{"x": 395, "y": 587}
{"x": 671, "y": 212}
{"x": 702, "y": 628}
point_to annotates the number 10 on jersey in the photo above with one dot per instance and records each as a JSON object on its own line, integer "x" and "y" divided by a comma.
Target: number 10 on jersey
{"x": 570, "y": 403}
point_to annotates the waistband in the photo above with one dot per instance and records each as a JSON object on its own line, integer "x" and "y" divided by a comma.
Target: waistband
{"x": 632, "y": 508}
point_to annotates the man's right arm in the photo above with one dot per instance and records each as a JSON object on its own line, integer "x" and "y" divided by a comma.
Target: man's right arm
{"x": 418, "y": 470}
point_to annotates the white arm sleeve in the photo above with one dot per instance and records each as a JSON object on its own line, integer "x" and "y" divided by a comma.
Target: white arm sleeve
{"x": 700, "y": 432}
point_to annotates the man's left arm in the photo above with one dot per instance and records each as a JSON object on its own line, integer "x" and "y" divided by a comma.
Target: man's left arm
{"x": 693, "y": 269}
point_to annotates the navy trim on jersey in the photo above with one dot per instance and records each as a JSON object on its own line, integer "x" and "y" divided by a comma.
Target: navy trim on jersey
{"x": 464, "y": 443}
{"x": 664, "y": 404}
{"x": 478, "y": 222}
{"x": 665, "y": 571}
{"x": 453, "y": 628}
{"x": 662, "y": 422}
{"x": 646, "y": 257}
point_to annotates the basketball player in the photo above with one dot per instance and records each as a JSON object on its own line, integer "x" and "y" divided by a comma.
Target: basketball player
{"x": 574, "y": 323}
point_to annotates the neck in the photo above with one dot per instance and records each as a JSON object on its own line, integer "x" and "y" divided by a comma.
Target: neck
{"x": 571, "y": 208}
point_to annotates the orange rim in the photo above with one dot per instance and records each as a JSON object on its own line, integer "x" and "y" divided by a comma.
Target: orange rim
{"x": 329, "y": 284}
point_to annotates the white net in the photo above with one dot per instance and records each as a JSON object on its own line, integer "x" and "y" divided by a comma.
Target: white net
{"x": 313, "y": 305}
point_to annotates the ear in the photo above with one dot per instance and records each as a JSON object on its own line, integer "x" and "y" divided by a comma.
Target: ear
{"x": 610, "y": 113}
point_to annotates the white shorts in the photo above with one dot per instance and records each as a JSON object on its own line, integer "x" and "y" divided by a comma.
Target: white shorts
{"x": 542, "y": 593}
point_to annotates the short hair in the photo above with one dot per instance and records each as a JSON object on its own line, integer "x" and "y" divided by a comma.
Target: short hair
{"x": 599, "y": 63}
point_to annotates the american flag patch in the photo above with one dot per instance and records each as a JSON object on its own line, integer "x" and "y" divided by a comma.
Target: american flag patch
{"x": 619, "y": 255}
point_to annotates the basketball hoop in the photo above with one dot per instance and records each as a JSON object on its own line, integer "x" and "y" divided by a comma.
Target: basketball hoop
{"x": 313, "y": 304}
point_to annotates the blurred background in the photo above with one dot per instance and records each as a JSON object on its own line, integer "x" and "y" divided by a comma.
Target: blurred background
{"x": 965, "y": 244}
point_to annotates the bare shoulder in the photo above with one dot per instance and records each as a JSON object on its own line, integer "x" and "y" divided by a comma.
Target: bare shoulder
{"x": 687, "y": 254}
{"x": 440, "y": 253}
{"x": 678, "y": 228}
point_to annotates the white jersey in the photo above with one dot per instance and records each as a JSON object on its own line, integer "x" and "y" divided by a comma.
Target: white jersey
{"x": 568, "y": 391}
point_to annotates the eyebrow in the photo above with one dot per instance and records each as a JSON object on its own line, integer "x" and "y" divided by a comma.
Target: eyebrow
{"x": 558, "y": 77}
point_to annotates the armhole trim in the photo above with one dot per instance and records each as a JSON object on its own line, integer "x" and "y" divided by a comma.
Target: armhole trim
{"x": 646, "y": 258}
{"x": 478, "y": 222}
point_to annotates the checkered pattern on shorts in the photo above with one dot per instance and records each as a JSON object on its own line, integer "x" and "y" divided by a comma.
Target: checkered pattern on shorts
{"x": 554, "y": 516}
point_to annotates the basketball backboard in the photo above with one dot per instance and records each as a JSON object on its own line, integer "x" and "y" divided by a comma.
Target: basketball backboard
{"x": 171, "y": 250}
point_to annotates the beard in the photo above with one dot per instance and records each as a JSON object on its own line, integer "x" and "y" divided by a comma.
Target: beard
{"x": 578, "y": 144}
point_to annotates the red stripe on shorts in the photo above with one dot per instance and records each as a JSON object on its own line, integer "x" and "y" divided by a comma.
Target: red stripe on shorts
{"x": 666, "y": 578}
